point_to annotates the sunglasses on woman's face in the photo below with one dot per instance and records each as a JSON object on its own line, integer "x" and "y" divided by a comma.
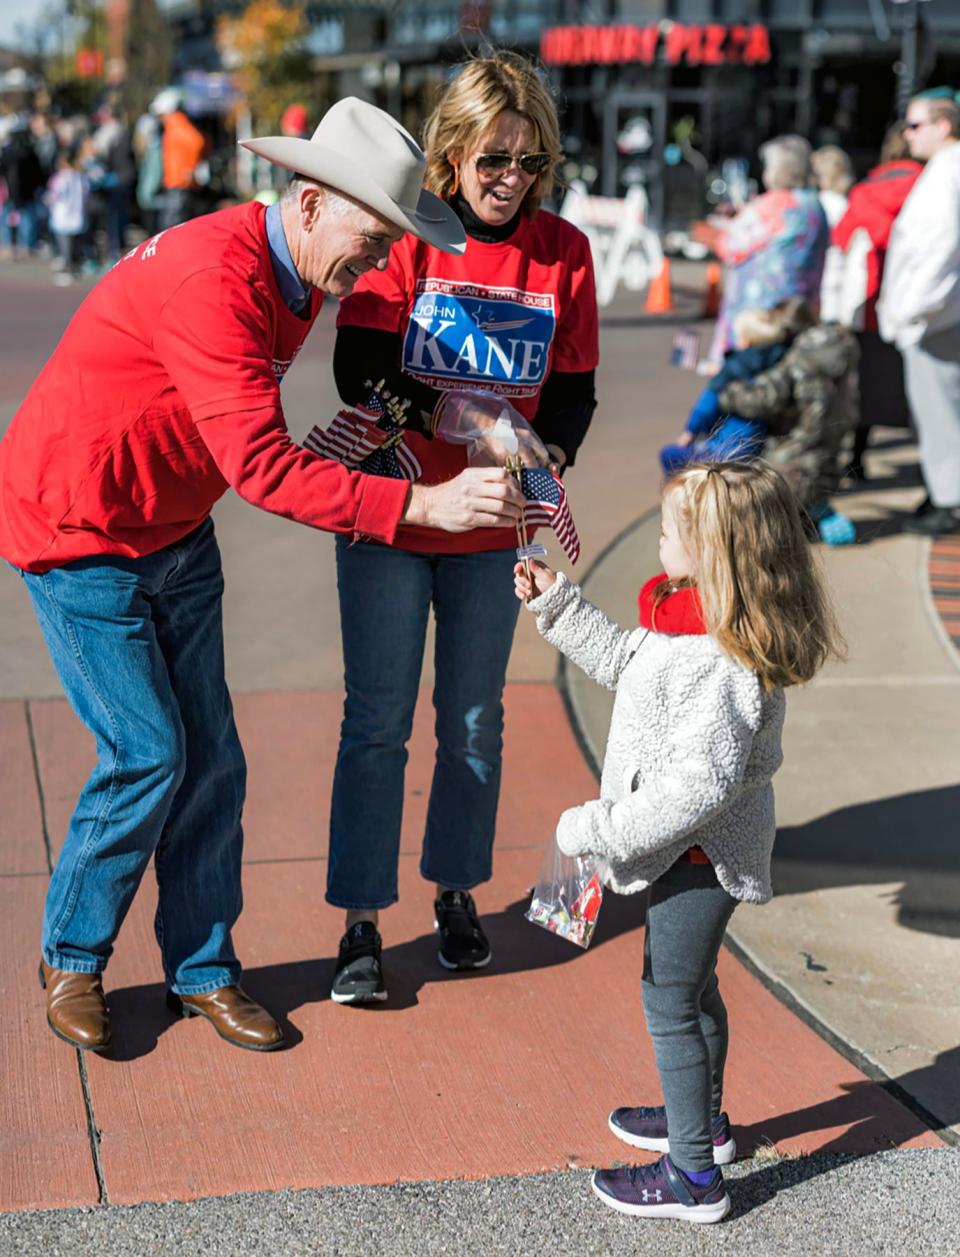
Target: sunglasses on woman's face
{"x": 499, "y": 163}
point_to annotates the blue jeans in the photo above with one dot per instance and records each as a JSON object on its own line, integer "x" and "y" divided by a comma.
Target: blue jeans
{"x": 737, "y": 439}
{"x": 26, "y": 227}
{"x": 385, "y": 598}
{"x": 138, "y": 646}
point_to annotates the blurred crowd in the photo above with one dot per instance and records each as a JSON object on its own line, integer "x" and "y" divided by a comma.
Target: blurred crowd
{"x": 841, "y": 312}
{"x": 70, "y": 187}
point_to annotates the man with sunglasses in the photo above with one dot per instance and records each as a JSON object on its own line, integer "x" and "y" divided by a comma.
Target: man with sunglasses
{"x": 919, "y": 307}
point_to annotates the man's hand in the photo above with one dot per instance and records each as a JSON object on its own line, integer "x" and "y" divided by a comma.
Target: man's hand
{"x": 480, "y": 497}
{"x": 541, "y": 578}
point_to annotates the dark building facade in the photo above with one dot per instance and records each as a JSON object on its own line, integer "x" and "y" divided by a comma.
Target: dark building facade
{"x": 656, "y": 91}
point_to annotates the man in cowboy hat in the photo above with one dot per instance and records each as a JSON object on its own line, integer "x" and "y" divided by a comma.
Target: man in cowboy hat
{"x": 164, "y": 392}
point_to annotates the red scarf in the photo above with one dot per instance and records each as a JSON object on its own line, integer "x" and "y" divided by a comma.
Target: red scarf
{"x": 679, "y": 612}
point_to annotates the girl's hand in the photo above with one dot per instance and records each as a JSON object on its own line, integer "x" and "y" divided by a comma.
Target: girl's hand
{"x": 543, "y": 578}
{"x": 684, "y": 439}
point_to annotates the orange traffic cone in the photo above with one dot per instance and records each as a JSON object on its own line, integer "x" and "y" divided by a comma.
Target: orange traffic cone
{"x": 711, "y": 300}
{"x": 659, "y": 300}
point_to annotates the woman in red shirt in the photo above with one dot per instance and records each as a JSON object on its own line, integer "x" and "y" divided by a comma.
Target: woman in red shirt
{"x": 516, "y": 315}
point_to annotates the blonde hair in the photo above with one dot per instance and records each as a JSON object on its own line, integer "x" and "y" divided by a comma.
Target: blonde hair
{"x": 755, "y": 327}
{"x": 768, "y": 327}
{"x": 764, "y": 599}
{"x": 786, "y": 162}
{"x": 832, "y": 169}
{"x": 481, "y": 90}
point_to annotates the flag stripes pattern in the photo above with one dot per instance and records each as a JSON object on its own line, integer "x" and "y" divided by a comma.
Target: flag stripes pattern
{"x": 394, "y": 461}
{"x": 685, "y": 351}
{"x": 547, "y": 504}
{"x": 352, "y": 436}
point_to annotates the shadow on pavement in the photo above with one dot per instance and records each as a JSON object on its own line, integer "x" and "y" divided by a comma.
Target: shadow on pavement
{"x": 139, "y": 1015}
{"x": 853, "y": 1110}
{"x": 910, "y": 838}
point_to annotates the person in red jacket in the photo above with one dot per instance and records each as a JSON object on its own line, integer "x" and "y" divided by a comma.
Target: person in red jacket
{"x": 863, "y": 234}
{"x": 164, "y": 392}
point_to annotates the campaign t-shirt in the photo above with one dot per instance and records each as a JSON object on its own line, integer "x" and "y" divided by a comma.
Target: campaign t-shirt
{"x": 164, "y": 390}
{"x": 498, "y": 317}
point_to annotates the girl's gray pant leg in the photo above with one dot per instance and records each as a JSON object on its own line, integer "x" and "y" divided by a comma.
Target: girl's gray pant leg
{"x": 687, "y": 915}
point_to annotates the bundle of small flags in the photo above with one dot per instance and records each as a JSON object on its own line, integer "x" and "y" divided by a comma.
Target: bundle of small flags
{"x": 369, "y": 438}
{"x": 547, "y": 504}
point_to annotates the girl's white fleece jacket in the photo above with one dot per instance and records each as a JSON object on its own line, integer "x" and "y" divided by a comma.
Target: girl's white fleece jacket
{"x": 694, "y": 742}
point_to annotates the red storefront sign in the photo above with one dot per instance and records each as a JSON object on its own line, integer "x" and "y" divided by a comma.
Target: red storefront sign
{"x": 711, "y": 44}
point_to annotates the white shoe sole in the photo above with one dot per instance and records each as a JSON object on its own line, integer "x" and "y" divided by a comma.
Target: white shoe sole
{"x": 723, "y": 1154}
{"x": 376, "y": 997}
{"x": 481, "y": 964}
{"x": 682, "y": 1213}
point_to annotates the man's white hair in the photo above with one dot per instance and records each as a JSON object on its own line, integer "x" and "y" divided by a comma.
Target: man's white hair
{"x": 786, "y": 162}
{"x": 335, "y": 204}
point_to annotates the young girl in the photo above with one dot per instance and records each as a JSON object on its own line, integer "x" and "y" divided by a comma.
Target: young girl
{"x": 686, "y": 805}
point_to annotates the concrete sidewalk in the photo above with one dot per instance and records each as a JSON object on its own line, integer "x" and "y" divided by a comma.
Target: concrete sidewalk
{"x": 510, "y": 1072}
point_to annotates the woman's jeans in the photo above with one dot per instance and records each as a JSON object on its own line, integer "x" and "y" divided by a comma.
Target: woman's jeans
{"x": 687, "y": 915}
{"x": 138, "y": 646}
{"x": 385, "y": 599}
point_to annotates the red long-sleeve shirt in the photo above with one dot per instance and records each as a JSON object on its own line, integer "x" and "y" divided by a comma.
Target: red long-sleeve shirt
{"x": 164, "y": 391}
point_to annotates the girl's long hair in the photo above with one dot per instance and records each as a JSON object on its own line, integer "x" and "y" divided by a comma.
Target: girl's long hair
{"x": 763, "y": 596}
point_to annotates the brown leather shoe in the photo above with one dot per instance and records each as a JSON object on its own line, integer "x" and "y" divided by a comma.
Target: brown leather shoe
{"x": 76, "y": 1008}
{"x": 234, "y": 1015}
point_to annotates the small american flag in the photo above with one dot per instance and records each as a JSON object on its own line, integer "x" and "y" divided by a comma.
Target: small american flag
{"x": 395, "y": 461}
{"x": 547, "y": 504}
{"x": 685, "y": 351}
{"x": 352, "y": 436}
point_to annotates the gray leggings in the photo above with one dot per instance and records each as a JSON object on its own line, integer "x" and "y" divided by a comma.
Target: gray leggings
{"x": 687, "y": 913}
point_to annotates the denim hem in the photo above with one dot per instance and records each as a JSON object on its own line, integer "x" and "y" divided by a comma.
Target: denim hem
{"x": 360, "y": 907}
{"x": 439, "y": 881}
{"x": 205, "y": 987}
{"x": 69, "y": 964}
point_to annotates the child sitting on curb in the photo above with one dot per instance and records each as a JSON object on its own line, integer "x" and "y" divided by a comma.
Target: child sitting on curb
{"x": 686, "y": 803}
{"x": 712, "y": 433}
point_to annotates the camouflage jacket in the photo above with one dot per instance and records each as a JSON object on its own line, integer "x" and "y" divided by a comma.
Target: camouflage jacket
{"x": 809, "y": 402}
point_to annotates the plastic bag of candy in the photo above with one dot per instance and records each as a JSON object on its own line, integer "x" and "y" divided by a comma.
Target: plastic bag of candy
{"x": 566, "y": 900}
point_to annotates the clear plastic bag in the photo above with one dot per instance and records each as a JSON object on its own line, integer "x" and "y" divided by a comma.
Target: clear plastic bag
{"x": 566, "y": 900}
{"x": 491, "y": 428}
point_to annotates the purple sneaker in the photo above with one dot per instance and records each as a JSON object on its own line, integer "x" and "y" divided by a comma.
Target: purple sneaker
{"x": 661, "y": 1191}
{"x": 647, "y": 1128}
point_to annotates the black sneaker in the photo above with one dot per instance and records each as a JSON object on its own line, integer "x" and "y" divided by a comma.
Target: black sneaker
{"x": 646, "y": 1127}
{"x": 935, "y": 522}
{"x": 662, "y": 1191}
{"x": 463, "y": 944}
{"x": 359, "y": 977}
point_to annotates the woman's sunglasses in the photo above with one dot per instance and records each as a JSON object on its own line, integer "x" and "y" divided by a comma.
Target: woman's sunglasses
{"x": 497, "y": 163}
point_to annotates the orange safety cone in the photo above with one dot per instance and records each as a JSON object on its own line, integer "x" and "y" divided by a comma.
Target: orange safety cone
{"x": 711, "y": 300}
{"x": 659, "y": 300}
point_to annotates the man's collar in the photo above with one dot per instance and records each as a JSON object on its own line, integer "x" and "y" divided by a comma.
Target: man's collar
{"x": 295, "y": 293}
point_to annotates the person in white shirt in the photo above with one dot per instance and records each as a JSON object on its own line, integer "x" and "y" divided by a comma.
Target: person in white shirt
{"x": 919, "y": 307}
{"x": 833, "y": 174}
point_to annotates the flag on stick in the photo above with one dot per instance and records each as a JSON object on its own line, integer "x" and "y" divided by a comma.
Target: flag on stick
{"x": 547, "y": 504}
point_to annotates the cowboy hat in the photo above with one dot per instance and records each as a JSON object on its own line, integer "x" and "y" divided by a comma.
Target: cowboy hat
{"x": 360, "y": 150}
